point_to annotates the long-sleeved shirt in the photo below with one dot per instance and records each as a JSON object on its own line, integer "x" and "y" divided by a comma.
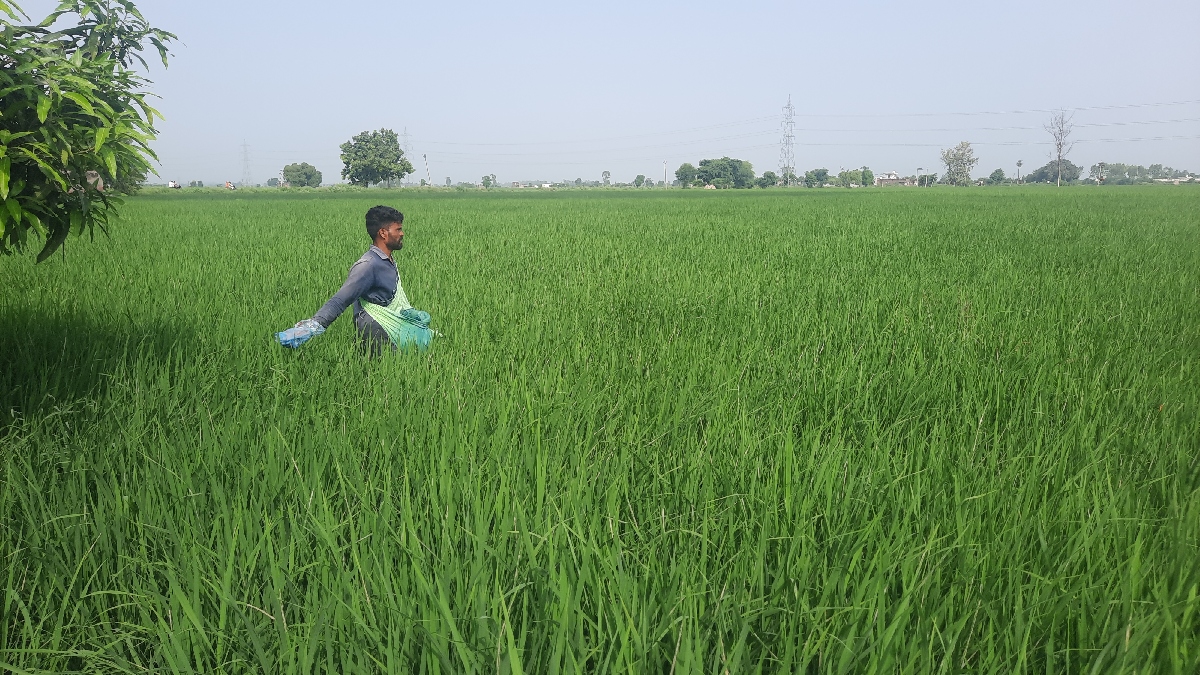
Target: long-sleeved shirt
{"x": 373, "y": 278}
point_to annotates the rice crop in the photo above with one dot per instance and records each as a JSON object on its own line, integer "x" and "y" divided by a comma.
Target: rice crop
{"x": 806, "y": 431}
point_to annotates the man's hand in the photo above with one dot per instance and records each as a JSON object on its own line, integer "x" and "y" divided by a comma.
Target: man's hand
{"x": 303, "y": 332}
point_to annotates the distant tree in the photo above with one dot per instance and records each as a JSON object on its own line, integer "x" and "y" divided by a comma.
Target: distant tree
{"x": 448, "y": 181}
{"x": 1020, "y": 163}
{"x": 853, "y": 177}
{"x": 487, "y": 181}
{"x": 997, "y": 177}
{"x": 578, "y": 182}
{"x": 302, "y": 175}
{"x": 272, "y": 182}
{"x": 726, "y": 172}
{"x": 816, "y": 177}
{"x": 959, "y": 161}
{"x": 639, "y": 180}
{"x": 1059, "y": 127}
{"x": 868, "y": 177}
{"x": 1055, "y": 172}
{"x": 374, "y": 157}
{"x": 768, "y": 179}
{"x": 605, "y": 176}
{"x": 75, "y": 125}
{"x": 196, "y": 184}
{"x": 423, "y": 182}
{"x": 686, "y": 173}
{"x": 927, "y": 179}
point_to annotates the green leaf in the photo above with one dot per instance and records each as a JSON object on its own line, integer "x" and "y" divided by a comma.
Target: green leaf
{"x": 7, "y": 9}
{"x": 80, "y": 100}
{"x": 110, "y": 160}
{"x": 5, "y": 167}
{"x": 43, "y": 108}
{"x": 101, "y": 136}
{"x": 36, "y": 222}
{"x": 14, "y": 209}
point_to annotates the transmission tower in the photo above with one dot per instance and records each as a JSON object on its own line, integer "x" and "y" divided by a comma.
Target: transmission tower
{"x": 787, "y": 154}
{"x": 405, "y": 143}
{"x": 247, "y": 178}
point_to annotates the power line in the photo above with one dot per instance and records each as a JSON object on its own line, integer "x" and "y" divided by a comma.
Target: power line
{"x": 775, "y": 118}
{"x": 1007, "y": 112}
{"x": 517, "y": 161}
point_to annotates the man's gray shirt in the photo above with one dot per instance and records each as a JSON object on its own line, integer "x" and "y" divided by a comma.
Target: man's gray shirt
{"x": 373, "y": 278}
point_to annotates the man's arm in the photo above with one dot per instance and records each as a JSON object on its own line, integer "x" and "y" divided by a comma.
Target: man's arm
{"x": 358, "y": 282}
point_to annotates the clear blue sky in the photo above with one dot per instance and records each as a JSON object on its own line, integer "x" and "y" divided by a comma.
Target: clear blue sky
{"x": 553, "y": 91}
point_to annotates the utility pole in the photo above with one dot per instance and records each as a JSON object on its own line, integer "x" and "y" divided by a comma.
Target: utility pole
{"x": 787, "y": 154}
{"x": 664, "y": 174}
{"x": 247, "y": 179}
{"x": 428, "y": 177}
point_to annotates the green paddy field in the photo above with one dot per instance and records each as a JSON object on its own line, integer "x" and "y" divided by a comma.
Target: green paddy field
{"x": 810, "y": 431}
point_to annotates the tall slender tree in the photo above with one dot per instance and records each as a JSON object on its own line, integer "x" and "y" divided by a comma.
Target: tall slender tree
{"x": 1060, "y": 127}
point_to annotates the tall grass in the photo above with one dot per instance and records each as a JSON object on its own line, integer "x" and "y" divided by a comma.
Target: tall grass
{"x": 935, "y": 431}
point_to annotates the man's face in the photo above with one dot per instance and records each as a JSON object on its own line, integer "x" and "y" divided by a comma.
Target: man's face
{"x": 393, "y": 236}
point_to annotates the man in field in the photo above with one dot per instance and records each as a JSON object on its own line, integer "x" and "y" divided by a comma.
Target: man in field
{"x": 382, "y": 313}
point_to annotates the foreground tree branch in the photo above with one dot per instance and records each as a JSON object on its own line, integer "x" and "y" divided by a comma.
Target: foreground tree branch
{"x": 76, "y": 126}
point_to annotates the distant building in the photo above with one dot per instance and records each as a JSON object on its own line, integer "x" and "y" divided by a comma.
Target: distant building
{"x": 893, "y": 178}
{"x": 517, "y": 184}
{"x": 545, "y": 185}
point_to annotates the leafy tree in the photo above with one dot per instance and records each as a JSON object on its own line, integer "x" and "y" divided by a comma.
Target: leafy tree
{"x": 959, "y": 161}
{"x": 868, "y": 177}
{"x": 578, "y": 182}
{"x": 768, "y": 179}
{"x": 302, "y": 175}
{"x": 374, "y": 157}
{"x": 726, "y": 172}
{"x": 686, "y": 173}
{"x": 853, "y": 177}
{"x": 816, "y": 177}
{"x": 1056, "y": 172}
{"x": 605, "y": 176}
{"x": 196, "y": 183}
{"x": 487, "y": 181}
{"x": 272, "y": 182}
{"x": 447, "y": 181}
{"x": 639, "y": 181}
{"x": 927, "y": 179}
{"x": 76, "y": 126}
{"x": 997, "y": 177}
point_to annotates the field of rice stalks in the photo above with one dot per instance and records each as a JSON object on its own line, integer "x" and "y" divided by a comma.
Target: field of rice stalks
{"x": 811, "y": 431}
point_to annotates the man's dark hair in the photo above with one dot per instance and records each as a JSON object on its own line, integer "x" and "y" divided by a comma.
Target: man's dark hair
{"x": 381, "y": 216}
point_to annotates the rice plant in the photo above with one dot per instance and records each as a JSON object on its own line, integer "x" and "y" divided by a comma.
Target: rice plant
{"x": 776, "y": 431}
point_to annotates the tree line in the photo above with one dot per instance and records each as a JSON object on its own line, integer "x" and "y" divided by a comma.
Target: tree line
{"x": 727, "y": 173}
